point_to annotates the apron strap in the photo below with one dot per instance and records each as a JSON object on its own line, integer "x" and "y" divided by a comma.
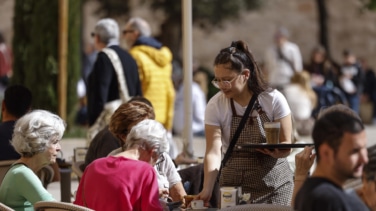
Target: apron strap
{"x": 239, "y": 130}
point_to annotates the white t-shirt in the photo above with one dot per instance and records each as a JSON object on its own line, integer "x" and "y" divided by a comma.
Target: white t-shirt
{"x": 279, "y": 70}
{"x": 198, "y": 110}
{"x": 167, "y": 173}
{"x": 299, "y": 101}
{"x": 218, "y": 111}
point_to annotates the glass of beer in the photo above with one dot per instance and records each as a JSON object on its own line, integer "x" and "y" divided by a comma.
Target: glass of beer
{"x": 272, "y": 132}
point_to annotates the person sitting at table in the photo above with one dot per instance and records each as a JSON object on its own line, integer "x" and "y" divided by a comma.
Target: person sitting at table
{"x": 105, "y": 142}
{"x": 17, "y": 102}
{"x": 127, "y": 115}
{"x": 36, "y": 137}
{"x": 127, "y": 181}
{"x": 304, "y": 161}
{"x": 324, "y": 190}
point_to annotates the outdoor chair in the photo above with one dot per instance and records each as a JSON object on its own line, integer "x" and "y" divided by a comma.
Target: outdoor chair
{"x": 58, "y": 206}
{"x": 258, "y": 207}
{"x": 79, "y": 154}
{"x": 46, "y": 174}
{"x": 4, "y": 167}
{"x": 4, "y": 207}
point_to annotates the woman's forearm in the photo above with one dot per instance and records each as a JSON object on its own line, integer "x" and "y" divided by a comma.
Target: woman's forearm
{"x": 212, "y": 164}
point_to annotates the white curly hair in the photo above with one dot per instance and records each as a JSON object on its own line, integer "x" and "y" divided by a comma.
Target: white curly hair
{"x": 35, "y": 131}
{"x": 149, "y": 134}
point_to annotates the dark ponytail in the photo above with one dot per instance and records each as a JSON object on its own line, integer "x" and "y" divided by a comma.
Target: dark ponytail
{"x": 239, "y": 57}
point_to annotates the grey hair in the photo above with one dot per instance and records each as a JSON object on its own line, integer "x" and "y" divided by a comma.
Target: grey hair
{"x": 107, "y": 30}
{"x": 282, "y": 31}
{"x": 149, "y": 134}
{"x": 140, "y": 25}
{"x": 35, "y": 131}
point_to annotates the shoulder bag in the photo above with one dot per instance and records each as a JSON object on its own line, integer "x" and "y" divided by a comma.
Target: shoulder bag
{"x": 109, "y": 108}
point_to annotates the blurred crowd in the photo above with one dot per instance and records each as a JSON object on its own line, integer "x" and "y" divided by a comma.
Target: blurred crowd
{"x": 319, "y": 82}
{"x": 132, "y": 101}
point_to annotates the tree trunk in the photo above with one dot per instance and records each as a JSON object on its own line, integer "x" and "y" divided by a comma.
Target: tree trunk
{"x": 323, "y": 23}
{"x": 171, "y": 36}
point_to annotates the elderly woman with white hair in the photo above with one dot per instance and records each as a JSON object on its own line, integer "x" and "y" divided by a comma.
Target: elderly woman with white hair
{"x": 126, "y": 181}
{"x": 36, "y": 138}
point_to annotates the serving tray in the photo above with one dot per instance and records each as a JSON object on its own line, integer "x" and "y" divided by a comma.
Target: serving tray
{"x": 272, "y": 146}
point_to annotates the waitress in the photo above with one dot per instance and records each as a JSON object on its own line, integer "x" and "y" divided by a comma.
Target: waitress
{"x": 263, "y": 173}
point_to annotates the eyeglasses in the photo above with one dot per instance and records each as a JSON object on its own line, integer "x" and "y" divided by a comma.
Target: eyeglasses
{"x": 223, "y": 84}
{"x": 125, "y": 31}
{"x": 160, "y": 159}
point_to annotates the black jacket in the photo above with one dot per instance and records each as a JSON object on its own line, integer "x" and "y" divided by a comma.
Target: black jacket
{"x": 103, "y": 84}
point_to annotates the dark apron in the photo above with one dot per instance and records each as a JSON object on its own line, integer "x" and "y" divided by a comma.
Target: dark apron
{"x": 267, "y": 179}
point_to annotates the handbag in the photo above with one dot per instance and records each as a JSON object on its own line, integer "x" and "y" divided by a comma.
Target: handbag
{"x": 237, "y": 132}
{"x": 109, "y": 108}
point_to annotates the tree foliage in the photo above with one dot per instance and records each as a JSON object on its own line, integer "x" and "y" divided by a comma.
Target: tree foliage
{"x": 207, "y": 13}
{"x": 113, "y": 8}
{"x": 35, "y": 44}
{"x": 369, "y": 4}
{"x": 74, "y": 54}
{"x": 35, "y": 48}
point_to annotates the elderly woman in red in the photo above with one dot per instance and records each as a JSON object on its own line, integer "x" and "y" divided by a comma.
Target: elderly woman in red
{"x": 126, "y": 181}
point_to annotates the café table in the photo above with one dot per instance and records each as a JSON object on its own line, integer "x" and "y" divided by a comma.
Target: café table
{"x": 245, "y": 207}
{"x": 189, "y": 209}
{"x": 258, "y": 207}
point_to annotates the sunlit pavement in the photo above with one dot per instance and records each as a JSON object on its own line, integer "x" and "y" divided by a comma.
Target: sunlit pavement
{"x": 198, "y": 145}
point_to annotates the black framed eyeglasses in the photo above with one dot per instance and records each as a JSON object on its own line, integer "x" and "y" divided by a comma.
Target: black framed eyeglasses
{"x": 160, "y": 159}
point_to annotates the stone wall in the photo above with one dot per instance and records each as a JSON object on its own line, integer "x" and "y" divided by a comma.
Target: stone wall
{"x": 348, "y": 28}
{"x": 6, "y": 19}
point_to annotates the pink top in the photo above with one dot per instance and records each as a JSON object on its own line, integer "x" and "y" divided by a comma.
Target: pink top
{"x": 118, "y": 183}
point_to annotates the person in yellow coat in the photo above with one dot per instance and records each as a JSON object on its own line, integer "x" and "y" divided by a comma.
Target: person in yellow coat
{"x": 154, "y": 63}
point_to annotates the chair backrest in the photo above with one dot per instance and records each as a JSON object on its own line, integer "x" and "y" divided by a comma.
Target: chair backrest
{"x": 4, "y": 167}
{"x": 4, "y": 207}
{"x": 58, "y": 206}
{"x": 79, "y": 153}
{"x": 77, "y": 169}
{"x": 258, "y": 207}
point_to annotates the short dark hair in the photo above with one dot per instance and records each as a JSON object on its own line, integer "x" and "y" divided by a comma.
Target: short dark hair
{"x": 17, "y": 100}
{"x": 331, "y": 125}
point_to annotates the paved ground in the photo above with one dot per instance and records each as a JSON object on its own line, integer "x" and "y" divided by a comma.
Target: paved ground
{"x": 198, "y": 145}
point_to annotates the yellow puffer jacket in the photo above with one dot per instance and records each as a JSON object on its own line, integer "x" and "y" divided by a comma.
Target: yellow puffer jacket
{"x": 155, "y": 69}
